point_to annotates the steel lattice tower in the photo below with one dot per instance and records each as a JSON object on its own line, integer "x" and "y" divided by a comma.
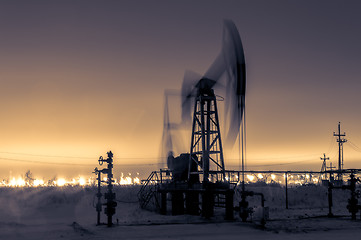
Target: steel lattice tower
{"x": 206, "y": 143}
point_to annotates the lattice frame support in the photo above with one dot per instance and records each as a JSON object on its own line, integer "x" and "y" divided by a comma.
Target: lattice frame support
{"x": 206, "y": 142}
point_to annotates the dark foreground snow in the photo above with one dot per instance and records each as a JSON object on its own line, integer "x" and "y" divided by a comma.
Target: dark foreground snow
{"x": 68, "y": 213}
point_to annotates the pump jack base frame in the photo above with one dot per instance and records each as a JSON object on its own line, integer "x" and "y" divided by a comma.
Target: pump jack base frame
{"x": 187, "y": 199}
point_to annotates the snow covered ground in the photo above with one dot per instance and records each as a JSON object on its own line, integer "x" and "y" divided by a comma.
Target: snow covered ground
{"x": 68, "y": 213}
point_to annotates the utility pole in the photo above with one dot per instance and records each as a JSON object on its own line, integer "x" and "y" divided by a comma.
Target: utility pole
{"x": 340, "y": 141}
{"x": 324, "y": 166}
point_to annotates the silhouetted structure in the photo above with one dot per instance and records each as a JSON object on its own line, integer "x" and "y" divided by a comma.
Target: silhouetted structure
{"x": 323, "y": 177}
{"x": 352, "y": 206}
{"x": 206, "y": 185}
{"x": 109, "y": 195}
{"x": 99, "y": 195}
{"x": 340, "y": 141}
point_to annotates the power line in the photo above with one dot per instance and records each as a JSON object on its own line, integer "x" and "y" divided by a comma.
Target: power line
{"x": 77, "y": 157}
{"x": 71, "y": 164}
{"x": 42, "y": 162}
{"x": 41, "y": 155}
{"x": 280, "y": 164}
{"x": 354, "y": 147}
{"x": 331, "y": 146}
{"x": 280, "y": 158}
{"x": 151, "y": 158}
{"x": 134, "y": 158}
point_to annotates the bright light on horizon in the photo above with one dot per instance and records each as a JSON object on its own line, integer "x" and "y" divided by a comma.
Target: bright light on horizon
{"x": 61, "y": 182}
{"x": 17, "y": 182}
{"x": 82, "y": 181}
{"x": 38, "y": 182}
{"x": 250, "y": 177}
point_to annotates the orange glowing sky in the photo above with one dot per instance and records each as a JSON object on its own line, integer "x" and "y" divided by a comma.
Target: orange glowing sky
{"x": 79, "y": 78}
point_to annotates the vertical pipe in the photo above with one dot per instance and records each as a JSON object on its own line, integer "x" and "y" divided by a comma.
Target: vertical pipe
{"x": 239, "y": 149}
{"x": 229, "y": 205}
{"x": 192, "y": 202}
{"x": 352, "y": 204}
{"x": 342, "y": 162}
{"x": 177, "y": 203}
{"x": 205, "y": 159}
{"x": 163, "y": 207}
{"x": 111, "y": 204}
{"x": 208, "y": 134}
{"x": 99, "y": 195}
{"x": 330, "y": 199}
{"x": 286, "y": 190}
{"x": 219, "y": 139}
{"x": 192, "y": 142}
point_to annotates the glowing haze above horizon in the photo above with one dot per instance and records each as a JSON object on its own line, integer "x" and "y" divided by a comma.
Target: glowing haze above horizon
{"x": 80, "y": 78}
